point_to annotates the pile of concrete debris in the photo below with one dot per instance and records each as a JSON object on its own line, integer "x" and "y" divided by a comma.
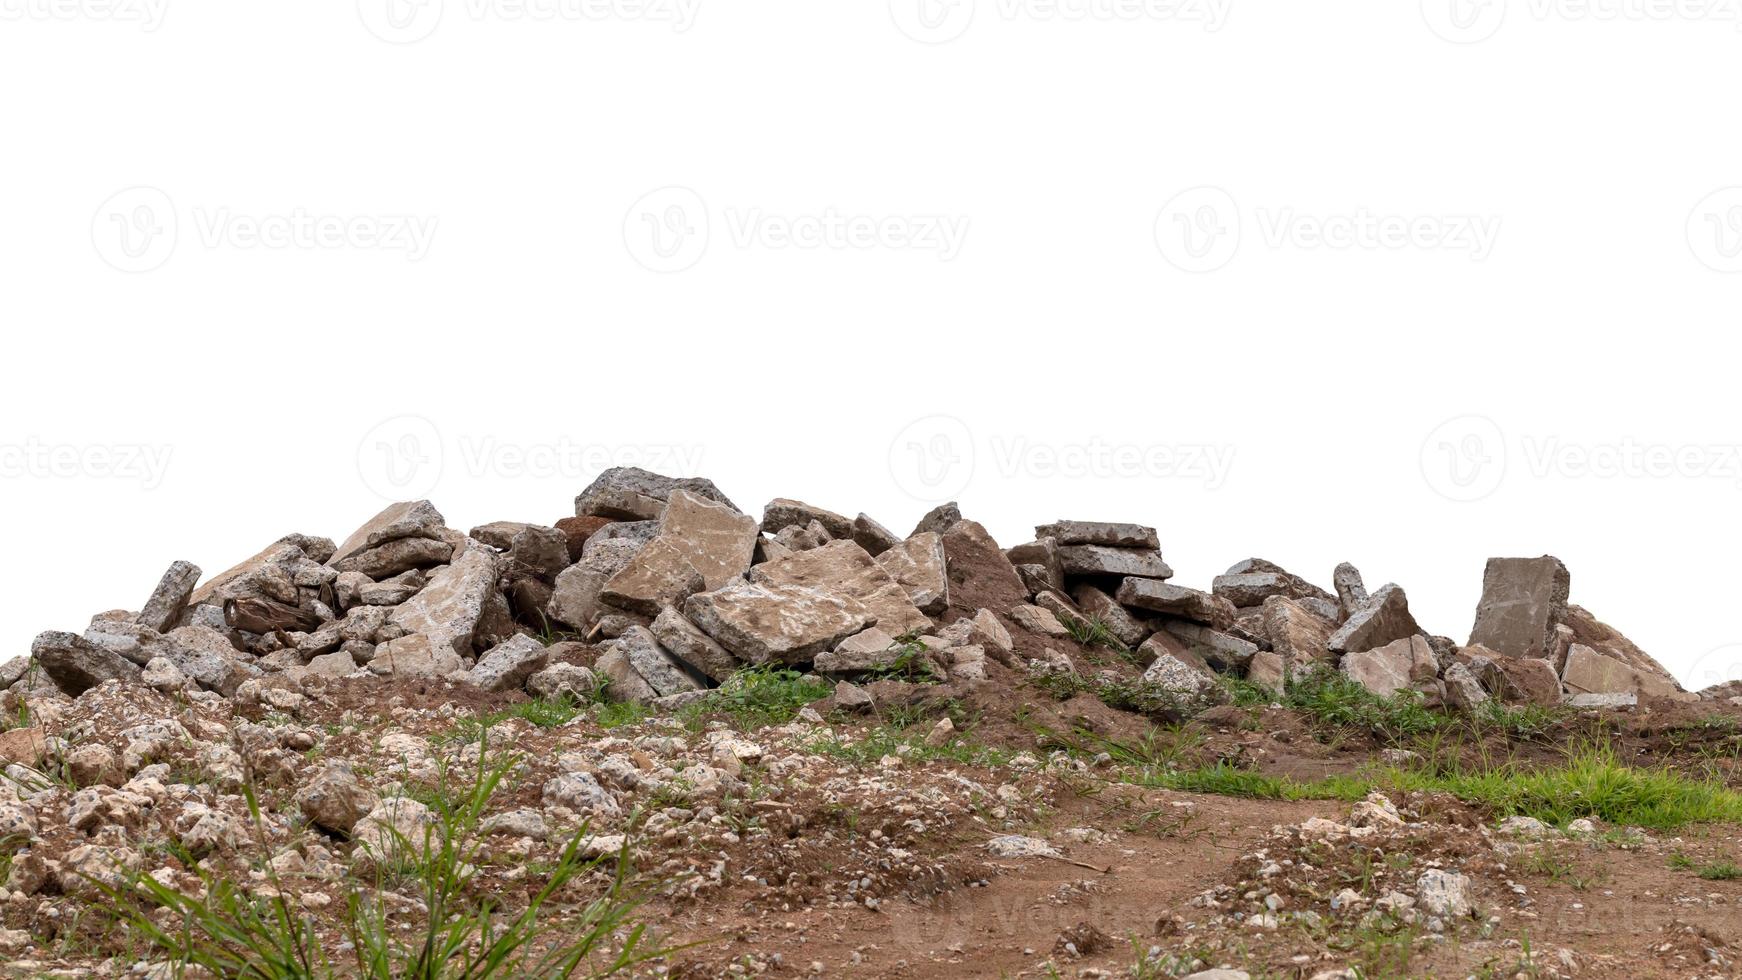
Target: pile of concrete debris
{"x": 668, "y": 587}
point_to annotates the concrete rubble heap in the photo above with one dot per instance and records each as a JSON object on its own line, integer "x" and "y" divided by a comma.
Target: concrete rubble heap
{"x": 670, "y": 588}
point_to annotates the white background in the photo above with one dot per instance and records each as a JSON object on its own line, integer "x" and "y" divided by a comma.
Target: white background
{"x": 296, "y": 385}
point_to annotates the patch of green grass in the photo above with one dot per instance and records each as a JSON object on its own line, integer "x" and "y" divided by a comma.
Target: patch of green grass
{"x": 912, "y": 662}
{"x": 1224, "y": 779}
{"x": 1720, "y": 871}
{"x": 1680, "y": 862}
{"x": 540, "y": 714}
{"x": 1245, "y": 694}
{"x": 1092, "y": 631}
{"x": 1592, "y": 783}
{"x": 760, "y": 696}
{"x": 1331, "y": 698}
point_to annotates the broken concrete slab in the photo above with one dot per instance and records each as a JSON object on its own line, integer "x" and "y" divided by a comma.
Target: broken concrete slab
{"x": 918, "y": 565}
{"x": 507, "y": 665}
{"x": 844, "y": 569}
{"x": 783, "y": 512}
{"x": 939, "y": 519}
{"x": 76, "y": 665}
{"x": 1095, "y": 559}
{"x": 1584, "y": 628}
{"x": 662, "y": 672}
{"x": 1038, "y": 621}
{"x": 1397, "y": 666}
{"x": 1383, "y": 619}
{"x": 390, "y": 558}
{"x": 772, "y": 622}
{"x": 1112, "y": 535}
{"x": 1523, "y": 599}
{"x": 415, "y": 655}
{"x": 1298, "y": 635}
{"x": 685, "y": 641}
{"x": 1224, "y": 651}
{"x": 1176, "y": 600}
{"x": 623, "y": 683}
{"x": 618, "y": 482}
{"x": 1590, "y": 672}
{"x": 1351, "y": 591}
{"x": 1043, "y": 552}
{"x": 407, "y": 519}
{"x": 872, "y": 536}
{"x": 450, "y": 609}
{"x": 575, "y": 599}
{"x": 659, "y": 575}
{"x": 164, "y": 609}
{"x": 1103, "y": 608}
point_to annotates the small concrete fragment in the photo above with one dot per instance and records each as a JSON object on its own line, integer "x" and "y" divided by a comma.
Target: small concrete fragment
{"x": 768, "y": 622}
{"x": 919, "y": 567}
{"x": 1176, "y": 600}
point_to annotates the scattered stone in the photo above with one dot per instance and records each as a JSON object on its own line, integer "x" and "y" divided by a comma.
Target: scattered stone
{"x": 414, "y": 656}
{"x": 506, "y": 666}
{"x": 575, "y": 600}
{"x": 1351, "y": 591}
{"x": 1462, "y": 688}
{"x": 764, "y": 622}
{"x": 1016, "y": 846}
{"x": 1444, "y": 893}
{"x": 1038, "y": 621}
{"x": 334, "y": 800}
{"x": 570, "y": 681}
{"x": 1297, "y": 634}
